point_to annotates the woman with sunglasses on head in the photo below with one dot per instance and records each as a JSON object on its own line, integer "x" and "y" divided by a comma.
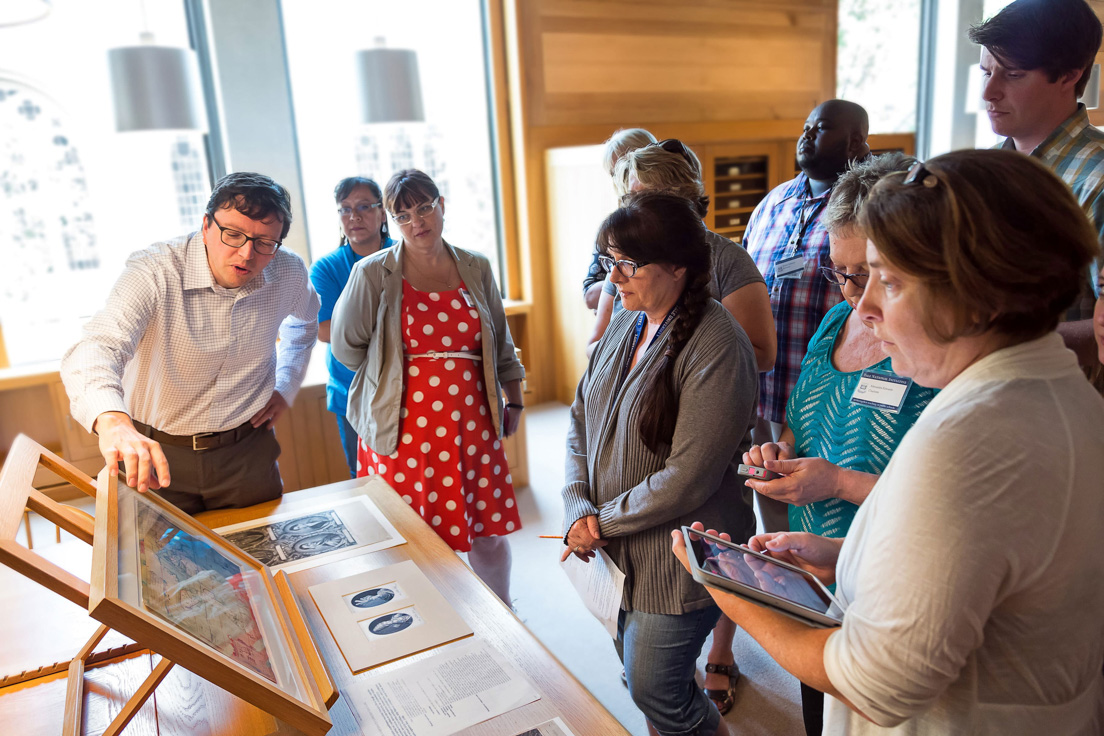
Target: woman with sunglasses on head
{"x": 970, "y": 577}
{"x": 670, "y": 166}
{"x": 423, "y": 327}
{"x": 363, "y": 232}
{"x": 660, "y": 420}
{"x": 839, "y": 435}
{"x": 617, "y": 145}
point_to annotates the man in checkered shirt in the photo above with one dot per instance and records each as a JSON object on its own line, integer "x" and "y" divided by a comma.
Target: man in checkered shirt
{"x": 1036, "y": 60}
{"x": 789, "y": 244}
{"x": 182, "y": 369}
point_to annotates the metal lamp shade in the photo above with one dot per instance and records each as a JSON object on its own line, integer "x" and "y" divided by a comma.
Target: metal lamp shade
{"x": 390, "y": 88}
{"x": 156, "y": 88}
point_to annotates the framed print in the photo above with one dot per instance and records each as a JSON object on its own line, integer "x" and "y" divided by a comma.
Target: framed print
{"x": 170, "y": 583}
{"x": 386, "y": 614}
{"x": 324, "y": 532}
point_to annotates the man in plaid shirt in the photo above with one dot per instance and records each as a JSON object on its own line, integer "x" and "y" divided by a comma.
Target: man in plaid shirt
{"x": 1036, "y": 59}
{"x": 789, "y": 244}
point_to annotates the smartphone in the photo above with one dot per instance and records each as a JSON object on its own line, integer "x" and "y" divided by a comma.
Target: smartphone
{"x": 751, "y": 471}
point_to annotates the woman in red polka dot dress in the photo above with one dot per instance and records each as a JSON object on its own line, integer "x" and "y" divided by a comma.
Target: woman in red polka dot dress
{"x": 424, "y": 328}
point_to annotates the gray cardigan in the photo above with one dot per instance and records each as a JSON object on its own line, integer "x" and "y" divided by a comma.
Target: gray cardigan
{"x": 639, "y": 496}
{"x": 366, "y": 336}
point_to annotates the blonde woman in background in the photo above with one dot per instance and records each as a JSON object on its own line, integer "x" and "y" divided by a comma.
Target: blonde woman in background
{"x": 620, "y": 143}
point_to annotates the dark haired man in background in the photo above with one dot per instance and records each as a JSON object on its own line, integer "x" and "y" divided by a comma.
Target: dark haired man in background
{"x": 1036, "y": 58}
{"x": 181, "y": 367}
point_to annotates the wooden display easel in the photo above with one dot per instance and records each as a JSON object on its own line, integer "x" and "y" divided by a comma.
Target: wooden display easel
{"x": 17, "y": 496}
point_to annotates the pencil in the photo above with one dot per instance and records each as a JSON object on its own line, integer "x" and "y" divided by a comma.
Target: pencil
{"x": 550, "y": 536}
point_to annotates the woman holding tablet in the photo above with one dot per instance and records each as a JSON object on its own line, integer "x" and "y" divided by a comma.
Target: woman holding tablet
{"x": 659, "y": 423}
{"x": 971, "y": 575}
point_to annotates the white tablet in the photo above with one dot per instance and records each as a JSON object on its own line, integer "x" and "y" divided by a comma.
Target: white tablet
{"x": 761, "y": 579}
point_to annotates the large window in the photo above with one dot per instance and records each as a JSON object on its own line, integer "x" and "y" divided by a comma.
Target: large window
{"x": 877, "y": 60}
{"x": 75, "y": 196}
{"x": 452, "y": 145}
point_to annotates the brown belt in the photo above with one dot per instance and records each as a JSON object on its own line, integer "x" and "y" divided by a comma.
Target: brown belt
{"x": 198, "y": 442}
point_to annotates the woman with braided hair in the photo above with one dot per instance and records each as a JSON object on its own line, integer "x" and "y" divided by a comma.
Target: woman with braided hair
{"x": 659, "y": 424}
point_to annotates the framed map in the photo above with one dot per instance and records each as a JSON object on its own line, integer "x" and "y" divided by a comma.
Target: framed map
{"x": 192, "y": 585}
{"x": 173, "y": 585}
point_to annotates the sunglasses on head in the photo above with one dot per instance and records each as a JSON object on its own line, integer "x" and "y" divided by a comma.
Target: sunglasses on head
{"x": 674, "y": 145}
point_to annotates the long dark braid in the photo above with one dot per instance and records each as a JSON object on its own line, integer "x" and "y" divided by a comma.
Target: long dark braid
{"x": 660, "y": 406}
{"x": 661, "y": 228}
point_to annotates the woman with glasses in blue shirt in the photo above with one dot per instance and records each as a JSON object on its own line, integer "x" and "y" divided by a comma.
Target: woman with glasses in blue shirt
{"x": 363, "y": 232}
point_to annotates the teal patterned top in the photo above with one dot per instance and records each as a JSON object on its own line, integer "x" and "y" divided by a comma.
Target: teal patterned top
{"x": 826, "y": 424}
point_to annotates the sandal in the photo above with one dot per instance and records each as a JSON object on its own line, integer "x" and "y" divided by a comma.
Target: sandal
{"x": 723, "y": 699}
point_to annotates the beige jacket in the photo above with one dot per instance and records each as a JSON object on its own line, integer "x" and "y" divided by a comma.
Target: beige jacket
{"x": 366, "y": 336}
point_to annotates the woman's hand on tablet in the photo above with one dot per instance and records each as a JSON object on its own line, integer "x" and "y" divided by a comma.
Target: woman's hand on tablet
{"x": 678, "y": 544}
{"x": 810, "y": 552}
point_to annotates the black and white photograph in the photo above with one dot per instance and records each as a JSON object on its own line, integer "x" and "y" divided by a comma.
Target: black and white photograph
{"x": 294, "y": 540}
{"x": 376, "y": 596}
{"x": 392, "y": 623}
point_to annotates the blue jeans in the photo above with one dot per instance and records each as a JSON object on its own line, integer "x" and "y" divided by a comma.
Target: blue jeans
{"x": 348, "y": 443}
{"x": 660, "y": 654}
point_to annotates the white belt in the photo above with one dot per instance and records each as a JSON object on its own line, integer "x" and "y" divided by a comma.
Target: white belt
{"x": 443, "y": 356}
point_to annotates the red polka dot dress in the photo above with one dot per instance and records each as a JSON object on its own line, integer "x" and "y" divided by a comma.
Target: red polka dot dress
{"x": 449, "y": 466}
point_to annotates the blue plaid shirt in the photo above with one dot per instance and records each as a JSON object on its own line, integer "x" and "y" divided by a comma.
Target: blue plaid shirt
{"x": 798, "y": 305}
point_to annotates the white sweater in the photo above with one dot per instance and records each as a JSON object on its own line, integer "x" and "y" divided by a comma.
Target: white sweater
{"x": 973, "y": 575}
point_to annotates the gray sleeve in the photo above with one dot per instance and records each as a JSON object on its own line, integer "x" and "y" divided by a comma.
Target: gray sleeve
{"x": 576, "y": 490}
{"x": 718, "y": 390}
{"x": 507, "y": 366}
{"x": 733, "y": 267}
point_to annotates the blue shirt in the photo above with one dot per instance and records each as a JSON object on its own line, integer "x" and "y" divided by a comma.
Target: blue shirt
{"x": 826, "y": 424}
{"x": 329, "y": 275}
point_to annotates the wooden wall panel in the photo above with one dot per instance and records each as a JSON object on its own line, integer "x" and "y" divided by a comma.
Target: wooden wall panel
{"x": 707, "y": 71}
{"x": 658, "y": 56}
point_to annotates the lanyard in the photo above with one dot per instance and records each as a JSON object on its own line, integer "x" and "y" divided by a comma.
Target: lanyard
{"x": 805, "y": 219}
{"x": 640, "y": 322}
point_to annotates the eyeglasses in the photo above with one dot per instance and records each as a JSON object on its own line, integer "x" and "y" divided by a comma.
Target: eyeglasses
{"x": 234, "y": 239}
{"x": 919, "y": 174}
{"x": 674, "y": 145}
{"x": 839, "y": 278}
{"x": 422, "y": 211}
{"x": 627, "y": 269}
{"x": 361, "y": 209}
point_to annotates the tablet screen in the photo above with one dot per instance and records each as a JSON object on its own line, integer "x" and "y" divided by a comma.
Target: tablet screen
{"x": 755, "y": 571}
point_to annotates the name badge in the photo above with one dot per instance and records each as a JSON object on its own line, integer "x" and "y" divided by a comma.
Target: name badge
{"x": 883, "y": 391}
{"x": 790, "y": 268}
{"x": 467, "y": 298}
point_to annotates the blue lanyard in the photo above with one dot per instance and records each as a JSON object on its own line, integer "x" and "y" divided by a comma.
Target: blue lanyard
{"x": 640, "y": 322}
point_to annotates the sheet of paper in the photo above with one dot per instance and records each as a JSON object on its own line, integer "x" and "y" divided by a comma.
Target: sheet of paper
{"x": 555, "y": 727}
{"x": 600, "y": 584}
{"x": 442, "y": 694}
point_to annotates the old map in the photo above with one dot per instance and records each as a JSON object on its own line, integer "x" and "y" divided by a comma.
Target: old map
{"x": 193, "y": 586}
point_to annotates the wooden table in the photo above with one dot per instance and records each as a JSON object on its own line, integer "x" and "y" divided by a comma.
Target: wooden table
{"x": 186, "y": 705}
